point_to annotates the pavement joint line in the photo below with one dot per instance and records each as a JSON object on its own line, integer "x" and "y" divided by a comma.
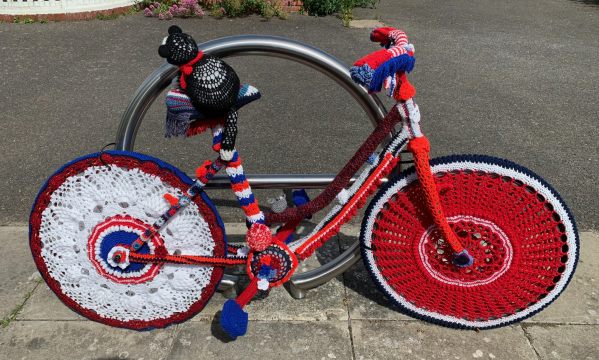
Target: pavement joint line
{"x": 175, "y": 336}
{"x": 12, "y": 315}
{"x": 528, "y": 338}
{"x": 347, "y": 308}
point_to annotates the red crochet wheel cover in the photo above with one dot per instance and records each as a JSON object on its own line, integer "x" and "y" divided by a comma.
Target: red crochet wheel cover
{"x": 148, "y": 165}
{"x": 517, "y": 242}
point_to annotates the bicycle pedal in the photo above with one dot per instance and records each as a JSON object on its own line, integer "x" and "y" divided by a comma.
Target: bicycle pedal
{"x": 233, "y": 319}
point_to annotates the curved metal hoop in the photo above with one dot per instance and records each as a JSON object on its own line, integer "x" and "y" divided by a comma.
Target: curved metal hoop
{"x": 271, "y": 46}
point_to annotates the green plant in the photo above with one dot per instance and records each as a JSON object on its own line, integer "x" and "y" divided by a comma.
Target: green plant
{"x": 347, "y": 15}
{"x": 168, "y": 9}
{"x": 328, "y": 7}
{"x": 107, "y": 16}
{"x": 235, "y": 8}
{"x": 27, "y": 20}
{"x": 321, "y": 7}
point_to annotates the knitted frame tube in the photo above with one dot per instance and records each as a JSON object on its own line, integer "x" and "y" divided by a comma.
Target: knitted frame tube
{"x": 420, "y": 147}
{"x": 343, "y": 177}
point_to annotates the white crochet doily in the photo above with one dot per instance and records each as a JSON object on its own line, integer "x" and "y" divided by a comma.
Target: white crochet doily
{"x": 91, "y": 197}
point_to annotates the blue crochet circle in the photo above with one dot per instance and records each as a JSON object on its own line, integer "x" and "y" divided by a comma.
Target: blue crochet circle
{"x": 121, "y": 237}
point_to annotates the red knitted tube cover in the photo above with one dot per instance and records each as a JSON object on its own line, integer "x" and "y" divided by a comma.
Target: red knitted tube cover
{"x": 342, "y": 179}
{"x": 421, "y": 147}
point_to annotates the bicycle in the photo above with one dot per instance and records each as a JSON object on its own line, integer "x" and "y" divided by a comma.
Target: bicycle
{"x": 464, "y": 241}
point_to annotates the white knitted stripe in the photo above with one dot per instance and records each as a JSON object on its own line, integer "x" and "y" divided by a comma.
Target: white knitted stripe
{"x": 234, "y": 170}
{"x": 489, "y": 168}
{"x": 243, "y": 194}
{"x": 394, "y": 148}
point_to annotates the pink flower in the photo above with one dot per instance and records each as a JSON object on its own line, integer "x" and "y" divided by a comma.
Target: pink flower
{"x": 147, "y": 12}
{"x": 161, "y": 16}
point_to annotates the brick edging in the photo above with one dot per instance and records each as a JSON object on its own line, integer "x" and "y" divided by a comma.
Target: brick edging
{"x": 87, "y": 15}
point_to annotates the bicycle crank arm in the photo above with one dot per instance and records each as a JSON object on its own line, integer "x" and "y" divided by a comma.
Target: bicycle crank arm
{"x": 187, "y": 259}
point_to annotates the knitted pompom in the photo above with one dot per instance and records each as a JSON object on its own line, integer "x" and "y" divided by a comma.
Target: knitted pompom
{"x": 258, "y": 237}
{"x": 361, "y": 74}
{"x": 233, "y": 319}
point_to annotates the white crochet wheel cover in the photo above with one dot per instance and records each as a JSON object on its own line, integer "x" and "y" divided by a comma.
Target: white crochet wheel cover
{"x": 99, "y": 193}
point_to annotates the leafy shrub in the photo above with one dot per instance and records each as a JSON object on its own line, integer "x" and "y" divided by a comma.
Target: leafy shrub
{"x": 171, "y": 9}
{"x": 322, "y": 7}
{"x": 328, "y": 7}
{"x": 235, "y": 8}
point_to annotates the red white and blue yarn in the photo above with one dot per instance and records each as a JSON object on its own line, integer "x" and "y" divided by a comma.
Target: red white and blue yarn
{"x": 199, "y": 231}
{"x": 470, "y": 164}
{"x": 181, "y": 112}
{"x": 383, "y": 68}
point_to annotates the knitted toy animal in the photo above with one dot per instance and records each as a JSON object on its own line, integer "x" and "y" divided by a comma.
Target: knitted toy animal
{"x": 209, "y": 96}
{"x": 211, "y": 84}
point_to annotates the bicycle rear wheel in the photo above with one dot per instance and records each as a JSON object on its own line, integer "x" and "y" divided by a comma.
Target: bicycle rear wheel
{"x": 100, "y": 200}
{"x": 521, "y": 234}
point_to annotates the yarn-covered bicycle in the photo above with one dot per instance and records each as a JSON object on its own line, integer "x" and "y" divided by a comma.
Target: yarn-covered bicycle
{"x": 465, "y": 241}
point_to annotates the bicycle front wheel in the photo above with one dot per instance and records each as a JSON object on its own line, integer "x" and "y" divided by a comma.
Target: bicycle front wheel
{"x": 521, "y": 234}
{"x": 102, "y": 200}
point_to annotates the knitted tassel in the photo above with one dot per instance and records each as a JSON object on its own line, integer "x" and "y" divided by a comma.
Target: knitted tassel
{"x": 177, "y": 123}
{"x": 402, "y": 63}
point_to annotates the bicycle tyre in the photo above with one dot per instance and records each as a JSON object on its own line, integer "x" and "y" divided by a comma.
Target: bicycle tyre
{"x": 103, "y": 199}
{"x": 518, "y": 229}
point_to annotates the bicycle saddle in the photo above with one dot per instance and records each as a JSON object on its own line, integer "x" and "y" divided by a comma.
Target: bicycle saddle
{"x": 183, "y": 119}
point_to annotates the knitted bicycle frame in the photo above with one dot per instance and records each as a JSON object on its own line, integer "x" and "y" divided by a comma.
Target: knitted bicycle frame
{"x": 464, "y": 241}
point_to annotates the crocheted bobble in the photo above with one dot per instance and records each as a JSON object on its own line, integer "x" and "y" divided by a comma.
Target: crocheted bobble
{"x": 178, "y": 48}
{"x": 258, "y": 237}
{"x": 213, "y": 86}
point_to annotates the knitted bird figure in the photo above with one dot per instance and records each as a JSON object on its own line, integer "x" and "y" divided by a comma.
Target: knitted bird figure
{"x": 211, "y": 84}
{"x": 209, "y": 97}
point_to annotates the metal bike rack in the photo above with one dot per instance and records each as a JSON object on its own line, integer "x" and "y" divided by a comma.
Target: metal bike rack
{"x": 271, "y": 46}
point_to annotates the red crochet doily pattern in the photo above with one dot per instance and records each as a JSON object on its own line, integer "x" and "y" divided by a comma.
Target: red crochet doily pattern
{"x": 516, "y": 239}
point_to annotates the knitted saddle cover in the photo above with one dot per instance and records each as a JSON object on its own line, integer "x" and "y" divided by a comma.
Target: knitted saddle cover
{"x": 183, "y": 119}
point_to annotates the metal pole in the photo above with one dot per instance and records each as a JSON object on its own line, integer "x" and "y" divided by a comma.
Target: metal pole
{"x": 274, "y": 47}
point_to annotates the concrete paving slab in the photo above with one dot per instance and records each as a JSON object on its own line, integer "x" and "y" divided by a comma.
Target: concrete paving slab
{"x": 365, "y": 300}
{"x": 81, "y": 340}
{"x": 564, "y": 341}
{"x": 45, "y": 305}
{"x": 18, "y": 274}
{"x": 579, "y": 303}
{"x": 402, "y": 340}
{"x": 271, "y": 340}
{"x": 365, "y": 24}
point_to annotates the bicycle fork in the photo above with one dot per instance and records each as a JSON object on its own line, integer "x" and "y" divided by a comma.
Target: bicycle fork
{"x": 419, "y": 146}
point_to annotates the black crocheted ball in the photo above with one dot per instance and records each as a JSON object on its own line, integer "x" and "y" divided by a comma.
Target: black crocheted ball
{"x": 178, "y": 48}
{"x": 213, "y": 85}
